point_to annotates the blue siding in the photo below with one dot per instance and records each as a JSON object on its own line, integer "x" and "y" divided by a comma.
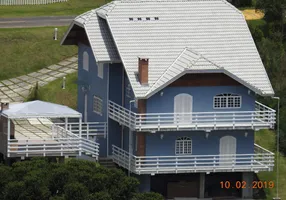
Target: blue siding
{"x": 115, "y": 95}
{"x": 202, "y": 98}
{"x": 116, "y": 76}
{"x": 97, "y": 86}
{"x": 155, "y": 146}
{"x": 126, "y": 140}
{"x": 131, "y": 97}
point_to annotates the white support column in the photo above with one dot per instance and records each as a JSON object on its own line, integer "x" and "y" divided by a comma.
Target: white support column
{"x": 8, "y": 129}
{"x": 247, "y": 192}
{"x": 80, "y": 126}
{"x": 80, "y": 123}
{"x": 66, "y": 123}
{"x": 202, "y": 185}
{"x": 8, "y": 134}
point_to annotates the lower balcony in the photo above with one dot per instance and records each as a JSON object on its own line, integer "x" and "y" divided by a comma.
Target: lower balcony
{"x": 57, "y": 142}
{"x": 261, "y": 160}
{"x": 262, "y": 117}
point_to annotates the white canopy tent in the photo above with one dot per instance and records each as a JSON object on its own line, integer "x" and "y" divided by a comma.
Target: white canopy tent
{"x": 40, "y": 109}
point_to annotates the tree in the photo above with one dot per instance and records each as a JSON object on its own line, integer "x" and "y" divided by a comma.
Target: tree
{"x": 148, "y": 196}
{"x": 273, "y": 9}
{"x": 39, "y": 179}
{"x": 75, "y": 191}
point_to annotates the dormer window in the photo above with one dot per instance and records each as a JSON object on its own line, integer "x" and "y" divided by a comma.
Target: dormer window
{"x": 227, "y": 101}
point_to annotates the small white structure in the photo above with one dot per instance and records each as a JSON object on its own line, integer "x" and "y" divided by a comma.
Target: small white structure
{"x": 27, "y": 130}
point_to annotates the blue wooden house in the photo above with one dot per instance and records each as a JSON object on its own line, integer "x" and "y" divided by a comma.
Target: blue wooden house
{"x": 176, "y": 81}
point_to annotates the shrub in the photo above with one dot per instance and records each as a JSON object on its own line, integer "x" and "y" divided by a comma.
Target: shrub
{"x": 148, "y": 196}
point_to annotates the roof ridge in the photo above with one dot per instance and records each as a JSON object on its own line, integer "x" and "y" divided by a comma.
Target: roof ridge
{"x": 88, "y": 18}
{"x": 182, "y": 52}
{"x": 166, "y": 70}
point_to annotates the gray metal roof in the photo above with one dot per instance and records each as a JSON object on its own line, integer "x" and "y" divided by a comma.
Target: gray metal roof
{"x": 175, "y": 34}
{"x": 38, "y": 109}
{"x": 99, "y": 36}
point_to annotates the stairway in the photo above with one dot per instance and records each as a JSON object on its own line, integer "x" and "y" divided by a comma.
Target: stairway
{"x": 106, "y": 162}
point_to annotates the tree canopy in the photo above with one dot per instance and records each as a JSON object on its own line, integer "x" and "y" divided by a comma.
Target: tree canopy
{"x": 270, "y": 41}
{"x": 39, "y": 179}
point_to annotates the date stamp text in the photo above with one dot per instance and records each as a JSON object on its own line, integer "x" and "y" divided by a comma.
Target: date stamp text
{"x": 244, "y": 184}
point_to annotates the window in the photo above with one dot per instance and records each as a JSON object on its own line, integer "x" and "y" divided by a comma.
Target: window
{"x": 85, "y": 61}
{"x": 97, "y": 105}
{"x": 227, "y": 101}
{"x": 100, "y": 70}
{"x": 183, "y": 146}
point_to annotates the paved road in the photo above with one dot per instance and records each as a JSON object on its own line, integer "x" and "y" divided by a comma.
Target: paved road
{"x": 35, "y": 21}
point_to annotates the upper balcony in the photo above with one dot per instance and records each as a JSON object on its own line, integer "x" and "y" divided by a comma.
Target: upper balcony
{"x": 262, "y": 117}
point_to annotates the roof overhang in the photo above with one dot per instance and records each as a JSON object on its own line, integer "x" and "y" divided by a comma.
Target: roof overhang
{"x": 72, "y": 26}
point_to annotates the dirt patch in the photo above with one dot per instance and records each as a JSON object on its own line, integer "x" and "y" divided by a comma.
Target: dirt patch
{"x": 252, "y": 14}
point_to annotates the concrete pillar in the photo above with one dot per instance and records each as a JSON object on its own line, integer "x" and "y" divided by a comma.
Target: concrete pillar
{"x": 61, "y": 159}
{"x": 247, "y": 192}
{"x": 145, "y": 183}
{"x": 202, "y": 185}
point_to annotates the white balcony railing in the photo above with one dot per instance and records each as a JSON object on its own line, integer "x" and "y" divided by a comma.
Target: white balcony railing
{"x": 263, "y": 161}
{"x": 88, "y": 129}
{"x": 262, "y": 117}
{"x": 62, "y": 143}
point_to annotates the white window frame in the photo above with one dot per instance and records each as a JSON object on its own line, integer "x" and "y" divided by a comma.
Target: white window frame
{"x": 183, "y": 146}
{"x": 85, "y": 61}
{"x": 100, "y": 70}
{"x": 227, "y": 101}
{"x": 97, "y": 105}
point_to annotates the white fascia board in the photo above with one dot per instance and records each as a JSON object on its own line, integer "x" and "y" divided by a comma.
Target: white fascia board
{"x": 69, "y": 29}
{"x": 67, "y": 33}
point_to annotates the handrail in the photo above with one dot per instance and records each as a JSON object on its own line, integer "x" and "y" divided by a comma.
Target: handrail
{"x": 258, "y": 104}
{"x": 256, "y": 146}
{"x": 262, "y": 117}
{"x": 161, "y": 164}
{"x": 86, "y": 145}
{"x": 87, "y": 128}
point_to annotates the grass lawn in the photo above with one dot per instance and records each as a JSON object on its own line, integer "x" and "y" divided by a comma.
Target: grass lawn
{"x": 71, "y": 7}
{"x": 29, "y": 49}
{"x": 266, "y": 139}
{"x": 54, "y": 93}
{"x": 255, "y": 23}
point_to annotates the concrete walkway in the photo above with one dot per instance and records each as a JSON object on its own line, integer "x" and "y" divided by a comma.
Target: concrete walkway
{"x": 17, "y": 89}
